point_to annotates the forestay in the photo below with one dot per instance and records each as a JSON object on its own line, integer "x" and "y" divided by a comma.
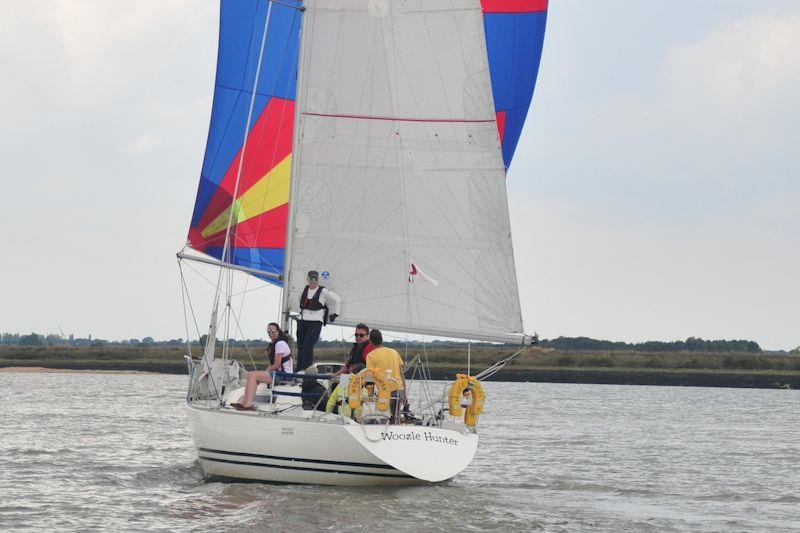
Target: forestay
{"x": 398, "y": 184}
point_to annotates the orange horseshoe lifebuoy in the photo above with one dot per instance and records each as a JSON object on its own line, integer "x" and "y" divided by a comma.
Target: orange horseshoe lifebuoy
{"x": 475, "y": 408}
{"x": 357, "y": 381}
{"x": 456, "y": 390}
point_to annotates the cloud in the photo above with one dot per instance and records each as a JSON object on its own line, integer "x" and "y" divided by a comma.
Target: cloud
{"x": 743, "y": 66}
{"x": 108, "y": 45}
{"x": 101, "y": 66}
{"x": 725, "y": 280}
{"x": 698, "y": 137}
{"x": 143, "y": 144}
{"x": 105, "y": 108}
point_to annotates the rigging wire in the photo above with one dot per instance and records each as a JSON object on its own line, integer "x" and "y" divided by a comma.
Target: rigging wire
{"x": 281, "y": 121}
{"x": 185, "y": 316}
{"x": 497, "y": 366}
{"x": 186, "y": 298}
{"x": 469, "y": 357}
{"x": 427, "y": 388}
{"x": 189, "y": 300}
{"x": 226, "y": 249}
{"x": 226, "y": 315}
{"x": 344, "y": 345}
{"x": 246, "y": 346}
{"x": 196, "y": 271}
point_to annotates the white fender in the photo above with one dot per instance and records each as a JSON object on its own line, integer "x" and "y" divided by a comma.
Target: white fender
{"x": 430, "y": 454}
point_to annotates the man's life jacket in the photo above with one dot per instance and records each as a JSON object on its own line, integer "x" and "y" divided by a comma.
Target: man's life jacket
{"x": 356, "y": 355}
{"x": 313, "y": 304}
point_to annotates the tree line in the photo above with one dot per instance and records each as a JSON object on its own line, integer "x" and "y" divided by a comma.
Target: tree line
{"x": 692, "y": 344}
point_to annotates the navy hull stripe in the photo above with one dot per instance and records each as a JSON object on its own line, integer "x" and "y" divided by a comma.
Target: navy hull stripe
{"x": 296, "y": 459}
{"x": 305, "y": 468}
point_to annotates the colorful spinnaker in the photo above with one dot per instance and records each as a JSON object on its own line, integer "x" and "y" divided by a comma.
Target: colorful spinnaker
{"x": 258, "y": 232}
{"x": 514, "y": 39}
{"x": 262, "y": 158}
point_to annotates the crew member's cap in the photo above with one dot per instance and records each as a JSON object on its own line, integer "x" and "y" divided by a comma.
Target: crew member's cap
{"x": 313, "y": 274}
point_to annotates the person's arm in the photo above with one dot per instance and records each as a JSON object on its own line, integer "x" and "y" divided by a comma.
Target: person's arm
{"x": 332, "y": 399}
{"x": 335, "y": 305}
{"x": 346, "y": 359}
{"x": 276, "y": 365}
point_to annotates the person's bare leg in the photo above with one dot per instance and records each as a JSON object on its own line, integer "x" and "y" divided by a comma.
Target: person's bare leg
{"x": 250, "y": 390}
{"x": 253, "y": 379}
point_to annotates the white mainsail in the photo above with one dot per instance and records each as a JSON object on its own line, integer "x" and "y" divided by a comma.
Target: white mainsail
{"x": 398, "y": 169}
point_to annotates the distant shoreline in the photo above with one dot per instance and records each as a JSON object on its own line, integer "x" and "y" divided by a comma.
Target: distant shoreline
{"x": 538, "y": 365}
{"x": 45, "y": 370}
{"x": 607, "y": 376}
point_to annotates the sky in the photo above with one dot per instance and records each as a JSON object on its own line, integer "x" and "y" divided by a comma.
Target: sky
{"x": 654, "y": 194}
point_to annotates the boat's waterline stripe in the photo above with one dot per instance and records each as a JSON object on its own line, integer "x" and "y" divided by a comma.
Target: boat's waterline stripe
{"x": 305, "y": 468}
{"x": 296, "y": 459}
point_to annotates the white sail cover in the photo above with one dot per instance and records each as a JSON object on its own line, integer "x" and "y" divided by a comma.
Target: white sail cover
{"x": 398, "y": 180}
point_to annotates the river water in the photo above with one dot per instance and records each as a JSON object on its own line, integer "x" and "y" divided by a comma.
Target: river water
{"x": 101, "y": 452}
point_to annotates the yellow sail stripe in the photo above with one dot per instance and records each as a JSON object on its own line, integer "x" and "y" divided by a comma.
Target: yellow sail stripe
{"x": 269, "y": 192}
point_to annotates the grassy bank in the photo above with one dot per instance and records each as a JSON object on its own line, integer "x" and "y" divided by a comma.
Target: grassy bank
{"x": 668, "y": 368}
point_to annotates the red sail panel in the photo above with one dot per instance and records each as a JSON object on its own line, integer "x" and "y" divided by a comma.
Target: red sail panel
{"x": 269, "y": 142}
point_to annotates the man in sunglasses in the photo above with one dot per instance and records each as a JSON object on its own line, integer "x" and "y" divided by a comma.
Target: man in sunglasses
{"x": 313, "y": 315}
{"x": 358, "y": 353}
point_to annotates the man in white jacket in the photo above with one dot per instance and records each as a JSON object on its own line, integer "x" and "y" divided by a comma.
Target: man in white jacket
{"x": 318, "y": 306}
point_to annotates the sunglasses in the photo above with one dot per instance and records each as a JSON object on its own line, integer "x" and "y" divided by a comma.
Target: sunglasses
{"x": 361, "y": 334}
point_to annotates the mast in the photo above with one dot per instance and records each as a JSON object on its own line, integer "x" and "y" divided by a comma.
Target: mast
{"x": 294, "y": 178}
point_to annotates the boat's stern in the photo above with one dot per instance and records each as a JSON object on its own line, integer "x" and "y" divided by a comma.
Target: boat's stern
{"x": 427, "y": 453}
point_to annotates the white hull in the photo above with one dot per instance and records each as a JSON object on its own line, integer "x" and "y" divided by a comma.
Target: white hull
{"x": 292, "y": 447}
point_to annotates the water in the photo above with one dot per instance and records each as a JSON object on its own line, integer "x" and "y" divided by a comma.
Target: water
{"x": 84, "y": 452}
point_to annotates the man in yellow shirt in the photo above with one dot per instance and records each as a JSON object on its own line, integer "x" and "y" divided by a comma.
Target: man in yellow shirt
{"x": 387, "y": 359}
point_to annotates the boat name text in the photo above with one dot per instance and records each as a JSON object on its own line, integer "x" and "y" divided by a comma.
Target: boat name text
{"x": 427, "y": 436}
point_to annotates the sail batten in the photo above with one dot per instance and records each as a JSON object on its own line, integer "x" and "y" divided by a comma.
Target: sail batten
{"x": 404, "y": 119}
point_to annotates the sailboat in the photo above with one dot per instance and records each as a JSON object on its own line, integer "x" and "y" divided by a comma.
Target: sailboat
{"x": 368, "y": 140}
